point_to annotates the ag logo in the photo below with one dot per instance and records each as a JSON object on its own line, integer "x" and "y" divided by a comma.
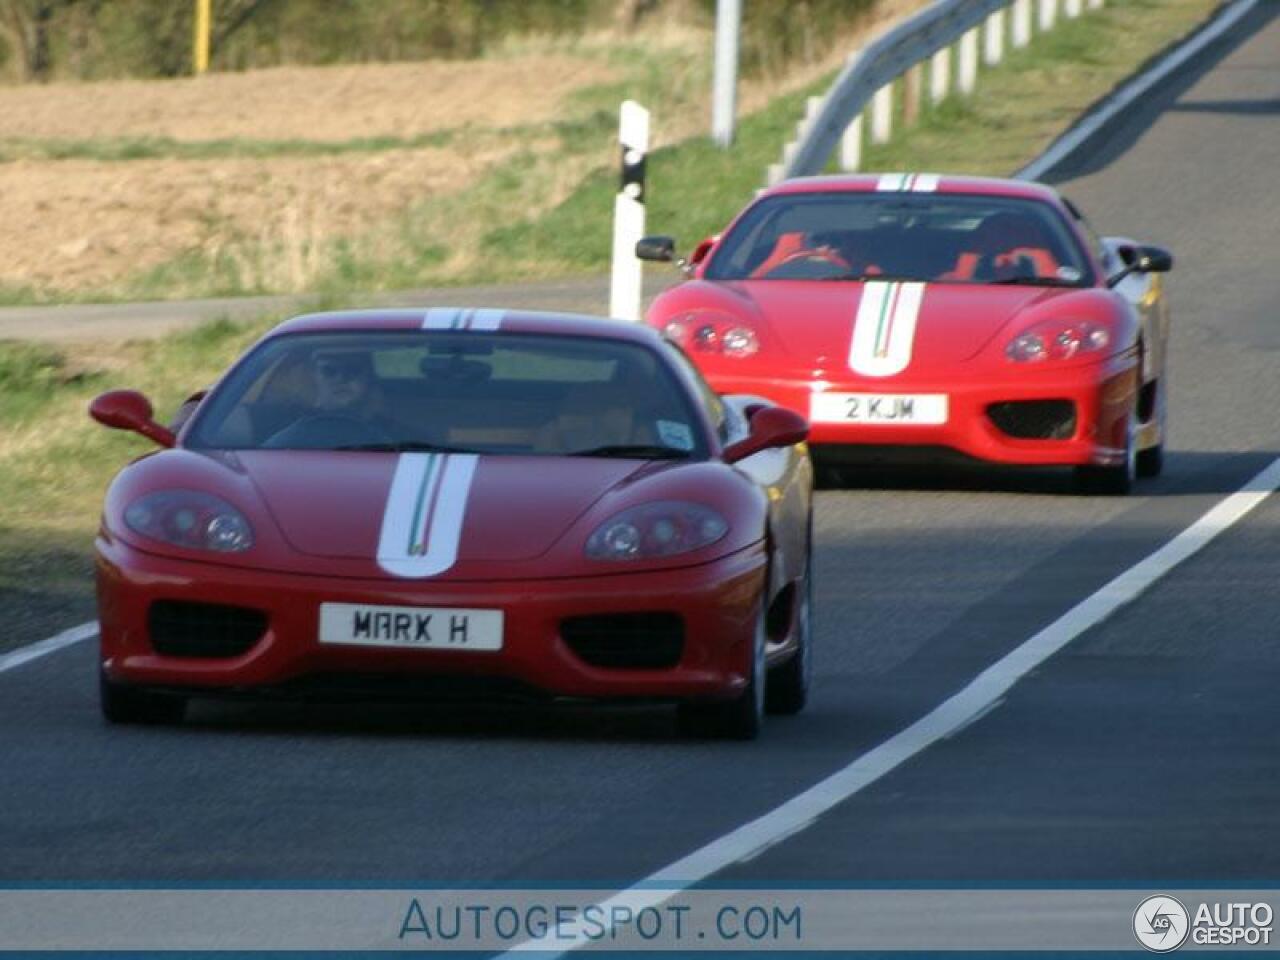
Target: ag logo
{"x": 1161, "y": 924}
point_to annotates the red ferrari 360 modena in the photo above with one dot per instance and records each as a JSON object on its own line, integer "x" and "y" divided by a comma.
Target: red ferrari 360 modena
{"x": 914, "y": 316}
{"x": 429, "y": 503}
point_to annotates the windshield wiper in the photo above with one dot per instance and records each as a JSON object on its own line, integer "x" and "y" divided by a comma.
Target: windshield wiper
{"x": 406, "y": 446}
{"x": 879, "y": 277}
{"x": 638, "y": 451}
{"x": 1033, "y": 282}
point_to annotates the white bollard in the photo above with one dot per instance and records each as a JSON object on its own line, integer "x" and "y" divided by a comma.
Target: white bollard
{"x": 851, "y": 146}
{"x": 968, "y": 78}
{"x": 993, "y": 34}
{"x": 625, "y": 294}
{"x": 940, "y": 76}
{"x": 882, "y": 114}
{"x": 1021, "y": 23}
{"x": 1048, "y": 14}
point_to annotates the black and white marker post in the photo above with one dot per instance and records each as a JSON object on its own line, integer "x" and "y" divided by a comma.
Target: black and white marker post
{"x": 628, "y": 213}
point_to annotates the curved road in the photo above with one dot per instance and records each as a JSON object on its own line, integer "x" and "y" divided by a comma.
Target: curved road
{"x": 1145, "y": 751}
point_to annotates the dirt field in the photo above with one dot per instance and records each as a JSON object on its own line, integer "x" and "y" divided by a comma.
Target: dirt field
{"x": 83, "y": 224}
{"x": 326, "y": 104}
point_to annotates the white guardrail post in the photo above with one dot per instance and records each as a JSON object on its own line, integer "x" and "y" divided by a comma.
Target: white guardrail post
{"x": 940, "y": 76}
{"x": 980, "y": 31}
{"x": 968, "y": 78}
{"x": 628, "y": 214}
{"x": 882, "y": 114}
{"x": 993, "y": 35}
{"x": 1048, "y": 14}
{"x": 1021, "y": 23}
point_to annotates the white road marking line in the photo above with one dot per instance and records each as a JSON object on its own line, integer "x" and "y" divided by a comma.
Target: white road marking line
{"x": 984, "y": 690}
{"x": 1126, "y": 95}
{"x": 35, "y": 651}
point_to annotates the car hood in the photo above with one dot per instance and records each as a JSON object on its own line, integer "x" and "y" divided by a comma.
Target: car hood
{"x": 397, "y": 506}
{"x": 813, "y": 322}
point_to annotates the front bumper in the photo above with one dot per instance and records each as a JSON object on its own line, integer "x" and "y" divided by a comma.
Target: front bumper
{"x": 1103, "y": 394}
{"x": 718, "y": 601}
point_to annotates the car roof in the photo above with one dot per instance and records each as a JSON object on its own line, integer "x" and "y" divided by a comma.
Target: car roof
{"x": 464, "y": 319}
{"x": 909, "y": 182}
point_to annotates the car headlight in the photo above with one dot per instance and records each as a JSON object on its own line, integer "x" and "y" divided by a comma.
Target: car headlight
{"x": 661, "y": 529}
{"x": 713, "y": 333}
{"x": 1058, "y": 340}
{"x": 191, "y": 519}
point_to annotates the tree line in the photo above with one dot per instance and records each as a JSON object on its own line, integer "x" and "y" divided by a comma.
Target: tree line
{"x": 42, "y": 40}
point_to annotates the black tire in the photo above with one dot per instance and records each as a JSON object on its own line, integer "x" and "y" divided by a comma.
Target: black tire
{"x": 1151, "y": 460}
{"x": 124, "y": 704}
{"x": 787, "y": 687}
{"x": 1116, "y": 481}
{"x": 740, "y": 718}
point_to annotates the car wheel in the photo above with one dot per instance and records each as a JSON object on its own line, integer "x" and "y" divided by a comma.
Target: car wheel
{"x": 740, "y": 718}
{"x": 787, "y": 687}
{"x": 124, "y": 704}
{"x": 1114, "y": 481}
{"x": 1151, "y": 460}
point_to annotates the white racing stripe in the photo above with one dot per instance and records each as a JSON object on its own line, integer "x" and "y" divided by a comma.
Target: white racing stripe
{"x": 944, "y": 720}
{"x": 907, "y": 183}
{"x": 453, "y": 318}
{"x": 884, "y": 329}
{"x": 427, "y": 503}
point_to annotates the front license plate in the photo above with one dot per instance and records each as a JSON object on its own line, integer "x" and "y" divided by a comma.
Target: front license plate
{"x": 892, "y": 408}
{"x": 425, "y": 628}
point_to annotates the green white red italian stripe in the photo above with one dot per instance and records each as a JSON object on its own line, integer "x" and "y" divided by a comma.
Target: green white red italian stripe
{"x": 452, "y": 318}
{"x": 426, "y": 507}
{"x": 884, "y": 328}
{"x": 907, "y": 183}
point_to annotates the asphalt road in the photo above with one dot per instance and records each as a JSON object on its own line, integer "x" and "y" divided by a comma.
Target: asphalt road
{"x": 1143, "y": 752}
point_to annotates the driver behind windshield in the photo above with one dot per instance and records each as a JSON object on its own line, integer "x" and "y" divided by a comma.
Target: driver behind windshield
{"x": 348, "y": 405}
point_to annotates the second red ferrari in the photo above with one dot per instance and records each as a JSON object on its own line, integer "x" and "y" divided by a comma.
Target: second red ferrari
{"x": 912, "y": 316}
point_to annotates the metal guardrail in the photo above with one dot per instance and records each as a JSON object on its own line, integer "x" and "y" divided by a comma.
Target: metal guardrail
{"x": 836, "y": 120}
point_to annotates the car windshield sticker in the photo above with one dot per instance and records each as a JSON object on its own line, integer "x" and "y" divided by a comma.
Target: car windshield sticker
{"x": 674, "y": 434}
{"x": 1069, "y": 274}
{"x": 907, "y": 183}
{"x": 884, "y": 329}
{"x": 451, "y": 318}
{"x": 422, "y": 523}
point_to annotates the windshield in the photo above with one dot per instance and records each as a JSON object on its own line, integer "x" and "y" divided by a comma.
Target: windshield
{"x": 929, "y": 237}
{"x": 394, "y": 391}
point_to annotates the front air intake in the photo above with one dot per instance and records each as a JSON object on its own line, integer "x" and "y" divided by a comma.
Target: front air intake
{"x": 626, "y": 641}
{"x": 1035, "y": 419}
{"x": 179, "y": 628}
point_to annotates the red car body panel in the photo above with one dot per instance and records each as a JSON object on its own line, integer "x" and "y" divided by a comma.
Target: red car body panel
{"x": 316, "y": 518}
{"x": 805, "y": 328}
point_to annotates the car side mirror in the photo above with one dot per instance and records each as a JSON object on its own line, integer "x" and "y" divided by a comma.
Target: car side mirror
{"x": 658, "y": 249}
{"x": 130, "y": 410}
{"x": 701, "y": 250}
{"x": 1141, "y": 259}
{"x": 770, "y": 427}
